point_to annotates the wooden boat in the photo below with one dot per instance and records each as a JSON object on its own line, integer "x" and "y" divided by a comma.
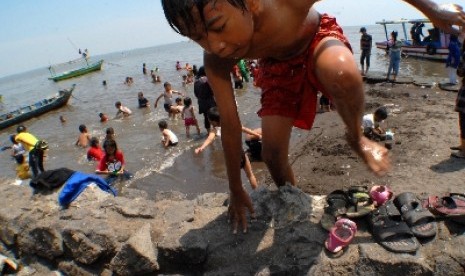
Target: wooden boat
{"x": 31, "y": 111}
{"x": 432, "y": 50}
{"x": 78, "y": 72}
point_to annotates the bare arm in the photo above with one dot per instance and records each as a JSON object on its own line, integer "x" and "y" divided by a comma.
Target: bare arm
{"x": 251, "y": 132}
{"x": 156, "y": 101}
{"x": 217, "y": 70}
{"x": 441, "y": 18}
{"x": 211, "y": 137}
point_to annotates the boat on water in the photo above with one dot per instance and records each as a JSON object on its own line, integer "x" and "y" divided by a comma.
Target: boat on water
{"x": 432, "y": 47}
{"x": 90, "y": 67}
{"x": 31, "y": 111}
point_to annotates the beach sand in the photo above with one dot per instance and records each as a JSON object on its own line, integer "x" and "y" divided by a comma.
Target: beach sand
{"x": 425, "y": 126}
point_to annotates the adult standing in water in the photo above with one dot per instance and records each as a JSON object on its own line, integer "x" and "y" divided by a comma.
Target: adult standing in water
{"x": 366, "y": 42}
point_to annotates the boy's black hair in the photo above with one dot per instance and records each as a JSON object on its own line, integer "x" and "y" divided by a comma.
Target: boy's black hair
{"x": 381, "y": 113}
{"x": 187, "y": 101}
{"x": 110, "y": 143}
{"x": 19, "y": 159}
{"x": 179, "y": 13}
{"x": 163, "y": 124}
{"x": 100, "y": 114}
{"x": 93, "y": 141}
{"x": 82, "y": 128}
{"x": 118, "y": 103}
{"x": 166, "y": 84}
{"x": 110, "y": 130}
{"x": 213, "y": 114}
{"x": 20, "y": 129}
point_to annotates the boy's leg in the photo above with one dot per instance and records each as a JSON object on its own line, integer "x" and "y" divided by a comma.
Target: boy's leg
{"x": 275, "y": 148}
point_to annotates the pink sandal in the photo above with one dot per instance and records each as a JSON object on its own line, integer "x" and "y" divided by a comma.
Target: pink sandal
{"x": 340, "y": 235}
{"x": 380, "y": 194}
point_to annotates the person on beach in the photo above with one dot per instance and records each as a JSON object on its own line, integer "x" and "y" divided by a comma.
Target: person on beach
{"x": 62, "y": 119}
{"x": 460, "y": 106}
{"x": 371, "y": 124}
{"x": 179, "y": 104}
{"x": 169, "y": 139}
{"x": 178, "y": 65}
{"x": 83, "y": 138}
{"x": 366, "y": 43}
{"x": 103, "y": 117}
{"x": 394, "y": 56}
{"x": 306, "y": 54}
{"x": 168, "y": 97}
{"x": 253, "y": 140}
{"x": 34, "y": 147}
{"x": 453, "y": 59}
{"x": 188, "y": 115}
{"x": 95, "y": 152}
{"x": 122, "y": 110}
{"x": 204, "y": 94}
{"x": 17, "y": 148}
{"x": 144, "y": 69}
{"x": 143, "y": 102}
{"x": 22, "y": 168}
{"x": 112, "y": 164}
{"x": 215, "y": 131}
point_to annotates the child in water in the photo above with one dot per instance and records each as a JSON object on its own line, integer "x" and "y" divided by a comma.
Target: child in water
{"x": 168, "y": 97}
{"x": 169, "y": 139}
{"x": 95, "y": 152}
{"x": 307, "y": 54}
{"x": 84, "y": 138}
{"x": 215, "y": 131}
{"x": 112, "y": 164}
{"x": 188, "y": 116}
{"x": 103, "y": 117}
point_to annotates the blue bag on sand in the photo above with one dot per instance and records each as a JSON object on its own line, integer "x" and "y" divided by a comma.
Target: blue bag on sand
{"x": 77, "y": 183}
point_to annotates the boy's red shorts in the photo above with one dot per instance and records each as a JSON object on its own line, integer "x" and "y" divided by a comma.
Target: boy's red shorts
{"x": 290, "y": 87}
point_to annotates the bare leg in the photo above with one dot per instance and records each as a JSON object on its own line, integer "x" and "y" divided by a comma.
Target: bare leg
{"x": 248, "y": 171}
{"x": 275, "y": 142}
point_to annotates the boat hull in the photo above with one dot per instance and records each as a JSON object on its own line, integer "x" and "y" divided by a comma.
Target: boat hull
{"x": 78, "y": 72}
{"x": 28, "y": 112}
{"x": 440, "y": 54}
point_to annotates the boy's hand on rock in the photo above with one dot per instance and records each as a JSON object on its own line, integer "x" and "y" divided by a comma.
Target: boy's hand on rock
{"x": 375, "y": 156}
{"x": 239, "y": 202}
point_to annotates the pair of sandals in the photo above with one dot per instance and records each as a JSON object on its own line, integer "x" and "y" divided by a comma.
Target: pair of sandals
{"x": 352, "y": 203}
{"x": 398, "y": 223}
{"x": 342, "y": 206}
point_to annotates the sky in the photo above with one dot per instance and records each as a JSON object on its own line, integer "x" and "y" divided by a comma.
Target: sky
{"x": 38, "y": 33}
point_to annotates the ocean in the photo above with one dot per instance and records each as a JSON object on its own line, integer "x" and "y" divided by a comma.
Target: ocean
{"x": 156, "y": 169}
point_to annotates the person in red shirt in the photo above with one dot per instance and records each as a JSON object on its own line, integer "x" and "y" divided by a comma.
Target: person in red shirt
{"x": 95, "y": 152}
{"x": 112, "y": 164}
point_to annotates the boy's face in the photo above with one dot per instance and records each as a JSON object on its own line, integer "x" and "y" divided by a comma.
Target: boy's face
{"x": 229, "y": 30}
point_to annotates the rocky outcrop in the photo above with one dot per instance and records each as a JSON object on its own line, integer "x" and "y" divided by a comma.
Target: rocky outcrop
{"x": 104, "y": 235}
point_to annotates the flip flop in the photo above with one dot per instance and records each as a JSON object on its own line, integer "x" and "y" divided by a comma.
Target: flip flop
{"x": 360, "y": 202}
{"x": 459, "y": 154}
{"x": 420, "y": 220}
{"x": 447, "y": 206}
{"x": 390, "y": 231}
{"x": 337, "y": 206}
{"x": 340, "y": 235}
{"x": 380, "y": 194}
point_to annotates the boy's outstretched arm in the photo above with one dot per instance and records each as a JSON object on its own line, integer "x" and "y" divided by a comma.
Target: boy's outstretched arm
{"x": 440, "y": 18}
{"x": 218, "y": 70}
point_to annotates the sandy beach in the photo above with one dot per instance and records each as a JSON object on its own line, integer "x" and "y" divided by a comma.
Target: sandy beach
{"x": 425, "y": 126}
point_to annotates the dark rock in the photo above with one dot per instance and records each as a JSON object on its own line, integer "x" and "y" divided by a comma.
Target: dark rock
{"x": 137, "y": 255}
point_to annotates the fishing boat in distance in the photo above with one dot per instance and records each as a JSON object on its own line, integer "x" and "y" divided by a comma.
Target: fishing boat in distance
{"x": 434, "y": 46}
{"x": 90, "y": 67}
{"x": 31, "y": 111}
